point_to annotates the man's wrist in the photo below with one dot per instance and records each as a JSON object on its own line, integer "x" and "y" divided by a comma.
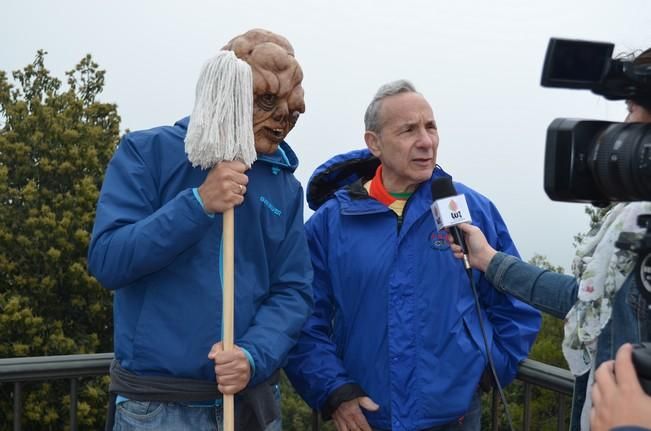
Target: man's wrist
{"x": 487, "y": 257}
{"x": 250, "y": 359}
{"x": 197, "y": 195}
{"x": 345, "y": 392}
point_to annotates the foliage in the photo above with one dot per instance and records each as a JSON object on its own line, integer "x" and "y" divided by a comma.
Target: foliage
{"x": 297, "y": 416}
{"x": 54, "y": 146}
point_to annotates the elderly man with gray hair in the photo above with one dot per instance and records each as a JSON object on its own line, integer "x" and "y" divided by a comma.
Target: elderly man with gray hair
{"x": 394, "y": 341}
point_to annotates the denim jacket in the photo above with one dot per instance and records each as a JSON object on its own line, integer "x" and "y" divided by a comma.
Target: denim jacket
{"x": 556, "y": 293}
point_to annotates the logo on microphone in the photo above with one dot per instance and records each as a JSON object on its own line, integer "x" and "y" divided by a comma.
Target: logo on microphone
{"x": 455, "y": 212}
{"x": 450, "y": 211}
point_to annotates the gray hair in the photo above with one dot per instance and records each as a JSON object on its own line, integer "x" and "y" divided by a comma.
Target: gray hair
{"x": 372, "y": 116}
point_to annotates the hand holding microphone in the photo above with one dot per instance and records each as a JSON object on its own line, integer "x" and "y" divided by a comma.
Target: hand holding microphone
{"x": 479, "y": 251}
{"x": 451, "y": 212}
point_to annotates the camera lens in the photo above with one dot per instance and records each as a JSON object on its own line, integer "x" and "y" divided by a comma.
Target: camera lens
{"x": 620, "y": 162}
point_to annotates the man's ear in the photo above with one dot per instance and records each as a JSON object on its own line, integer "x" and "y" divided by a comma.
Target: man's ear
{"x": 373, "y": 142}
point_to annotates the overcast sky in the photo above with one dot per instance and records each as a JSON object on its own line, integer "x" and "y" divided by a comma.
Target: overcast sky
{"x": 477, "y": 62}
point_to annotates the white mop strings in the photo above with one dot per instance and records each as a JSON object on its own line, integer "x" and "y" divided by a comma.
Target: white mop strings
{"x": 221, "y": 125}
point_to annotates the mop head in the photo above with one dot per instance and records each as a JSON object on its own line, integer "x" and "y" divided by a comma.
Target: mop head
{"x": 221, "y": 125}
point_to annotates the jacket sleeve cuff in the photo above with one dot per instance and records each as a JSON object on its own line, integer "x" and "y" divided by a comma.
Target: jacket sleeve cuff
{"x": 497, "y": 267}
{"x": 250, "y": 359}
{"x": 343, "y": 393}
{"x": 197, "y": 196}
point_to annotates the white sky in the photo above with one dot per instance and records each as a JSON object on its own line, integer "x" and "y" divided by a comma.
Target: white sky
{"x": 477, "y": 62}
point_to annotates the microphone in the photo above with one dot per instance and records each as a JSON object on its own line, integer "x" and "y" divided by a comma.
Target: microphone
{"x": 450, "y": 209}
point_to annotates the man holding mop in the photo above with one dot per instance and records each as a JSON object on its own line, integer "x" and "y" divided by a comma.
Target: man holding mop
{"x": 158, "y": 243}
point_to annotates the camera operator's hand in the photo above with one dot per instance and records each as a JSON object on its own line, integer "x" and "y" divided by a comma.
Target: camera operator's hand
{"x": 480, "y": 251}
{"x": 617, "y": 397}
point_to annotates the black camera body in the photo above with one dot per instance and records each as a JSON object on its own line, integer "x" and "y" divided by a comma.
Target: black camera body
{"x": 596, "y": 161}
{"x": 600, "y": 162}
{"x": 642, "y": 363}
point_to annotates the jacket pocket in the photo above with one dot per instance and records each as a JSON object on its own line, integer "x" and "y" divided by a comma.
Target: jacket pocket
{"x": 472, "y": 321}
{"x": 141, "y": 414}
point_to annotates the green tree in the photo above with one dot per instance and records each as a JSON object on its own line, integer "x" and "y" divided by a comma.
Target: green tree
{"x": 55, "y": 144}
{"x": 296, "y": 414}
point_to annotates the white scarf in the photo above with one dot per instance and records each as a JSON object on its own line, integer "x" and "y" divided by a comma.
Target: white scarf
{"x": 601, "y": 268}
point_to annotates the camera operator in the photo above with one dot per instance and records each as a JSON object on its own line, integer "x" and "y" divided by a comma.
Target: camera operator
{"x": 601, "y": 304}
{"x": 619, "y": 403}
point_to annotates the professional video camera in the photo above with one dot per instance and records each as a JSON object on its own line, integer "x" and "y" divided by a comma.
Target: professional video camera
{"x": 596, "y": 161}
{"x": 600, "y": 162}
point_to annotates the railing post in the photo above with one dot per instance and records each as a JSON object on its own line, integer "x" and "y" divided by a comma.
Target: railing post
{"x": 74, "y": 384}
{"x": 18, "y": 405}
{"x": 560, "y": 424}
{"x": 495, "y": 407}
{"x": 316, "y": 422}
{"x": 527, "y": 407}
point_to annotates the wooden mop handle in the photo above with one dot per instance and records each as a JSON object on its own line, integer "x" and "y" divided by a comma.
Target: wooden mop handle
{"x": 228, "y": 305}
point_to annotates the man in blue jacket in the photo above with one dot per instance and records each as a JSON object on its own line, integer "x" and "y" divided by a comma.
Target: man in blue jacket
{"x": 394, "y": 341}
{"x": 157, "y": 244}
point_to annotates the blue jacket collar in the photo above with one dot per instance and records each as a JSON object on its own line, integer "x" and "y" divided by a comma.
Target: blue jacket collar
{"x": 284, "y": 157}
{"x": 333, "y": 177}
{"x": 352, "y": 201}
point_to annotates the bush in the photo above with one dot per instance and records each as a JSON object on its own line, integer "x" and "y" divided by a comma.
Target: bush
{"x": 54, "y": 147}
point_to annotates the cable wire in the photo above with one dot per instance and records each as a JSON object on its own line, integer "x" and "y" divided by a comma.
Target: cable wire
{"x": 488, "y": 350}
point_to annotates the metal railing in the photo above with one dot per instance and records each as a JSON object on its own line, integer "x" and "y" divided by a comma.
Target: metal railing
{"x": 73, "y": 367}
{"x": 34, "y": 369}
{"x": 534, "y": 373}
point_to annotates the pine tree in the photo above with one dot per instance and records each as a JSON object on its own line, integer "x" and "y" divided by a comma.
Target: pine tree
{"x": 55, "y": 144}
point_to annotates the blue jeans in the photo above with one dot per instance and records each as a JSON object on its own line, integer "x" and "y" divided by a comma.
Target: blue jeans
{"x": 135, "y": 415}
{"x": 471, "y": 421}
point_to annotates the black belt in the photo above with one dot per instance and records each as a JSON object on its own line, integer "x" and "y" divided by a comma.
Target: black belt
{"x": 255, "y": 407}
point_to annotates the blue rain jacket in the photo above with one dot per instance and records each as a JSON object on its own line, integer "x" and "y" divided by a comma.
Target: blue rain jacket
{"x": 394, "y": 311}
{"x": 154, "y": 245}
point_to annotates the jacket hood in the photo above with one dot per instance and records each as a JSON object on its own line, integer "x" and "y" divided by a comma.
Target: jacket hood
{"x": 343, "y": 170}
{"x": 337, "y": 172}
{"x": 284, "y": 157}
